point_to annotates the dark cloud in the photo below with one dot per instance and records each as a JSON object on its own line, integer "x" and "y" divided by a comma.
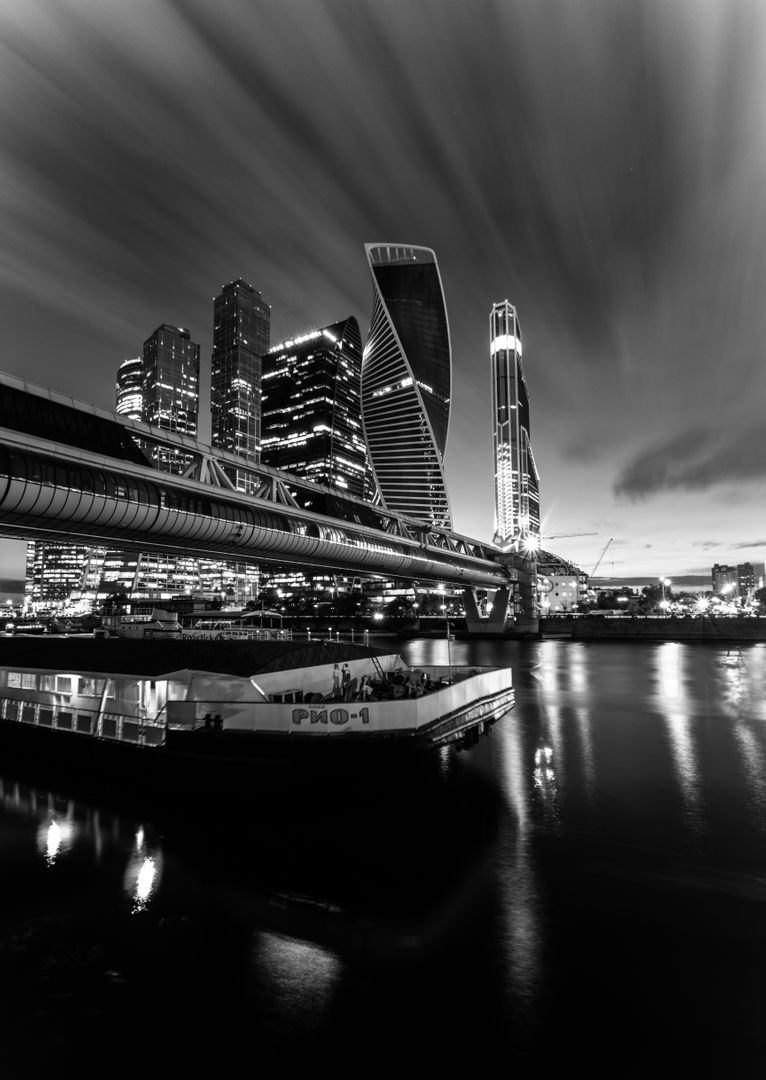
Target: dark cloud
{"x": 696, "y": 460}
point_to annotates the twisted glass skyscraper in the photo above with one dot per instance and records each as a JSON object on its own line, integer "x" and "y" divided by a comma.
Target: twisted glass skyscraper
{"x": 517, "y": 485}
{"x": 407, "y": 380}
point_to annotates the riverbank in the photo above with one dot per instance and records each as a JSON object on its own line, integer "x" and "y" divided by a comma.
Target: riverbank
{"x": 726, "y": 628}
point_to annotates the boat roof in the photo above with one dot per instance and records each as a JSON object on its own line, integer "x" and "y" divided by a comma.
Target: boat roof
{"x": 154, "y": 657}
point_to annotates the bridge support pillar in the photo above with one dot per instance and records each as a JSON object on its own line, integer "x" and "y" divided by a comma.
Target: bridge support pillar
{"x": 514, "y": 607}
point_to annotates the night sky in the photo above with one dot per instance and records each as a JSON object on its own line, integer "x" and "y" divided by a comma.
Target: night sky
{"x": 599, "y": 163}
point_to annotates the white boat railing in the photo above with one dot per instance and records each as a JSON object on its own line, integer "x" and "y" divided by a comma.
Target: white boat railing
{"x": 118, "y": 727}
{"x": 235, "y": 633}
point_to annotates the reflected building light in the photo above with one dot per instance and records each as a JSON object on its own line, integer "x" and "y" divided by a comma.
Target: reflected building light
{"x": 301, "y": 975}
{"x": 52, "y": 842}
{"x": 142, "y": 879}
{"x": 578, "y": 672}
{"x": 754, "y": 762}
{"x": 544, "y": 778}
{"x": 669, "y": 671}
{"x": 146, "y": 876}
{"x": 585, "y": 731}
{"x": 55, "y": 838}
{"x": 515, "y": 870}
{"x": 547, "y": 674}
{"x": 674, "y": 710}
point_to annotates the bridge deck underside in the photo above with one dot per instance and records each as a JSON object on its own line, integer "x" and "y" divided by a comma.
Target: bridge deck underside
{"x": 55, "y": 492}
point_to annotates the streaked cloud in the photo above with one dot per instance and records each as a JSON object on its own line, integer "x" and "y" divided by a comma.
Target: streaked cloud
{"x": 601, "y": 165}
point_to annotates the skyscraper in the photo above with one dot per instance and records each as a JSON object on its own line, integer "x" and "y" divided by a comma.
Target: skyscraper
{"x": 171, "y": 389}
{"x": 517, "y": 485}
{"x": 407, "y": 381}
{"x": 311, "y": 411}
{"x": 130, "y": 388}
{"x": 241, "y": 337}
{"x": 169, "y": 399}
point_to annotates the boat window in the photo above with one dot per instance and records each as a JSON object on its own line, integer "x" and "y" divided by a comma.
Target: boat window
{"x": 48, "y": 682}
{"x": 288, "y": 696}
{"x": 90, "y": 687}
{"x": 63, "y": 684}
{"x": 14, "y": 679}
{"x": 28, "y": 681}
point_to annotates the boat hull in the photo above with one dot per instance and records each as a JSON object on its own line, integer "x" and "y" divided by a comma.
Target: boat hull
{"x": 231, "y": 765}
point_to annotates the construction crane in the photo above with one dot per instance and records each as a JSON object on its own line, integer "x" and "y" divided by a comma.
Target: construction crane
{"x": 601, "y": 556}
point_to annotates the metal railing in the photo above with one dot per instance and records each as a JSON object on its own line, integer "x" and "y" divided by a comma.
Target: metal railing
{"x": 118, "y": 727}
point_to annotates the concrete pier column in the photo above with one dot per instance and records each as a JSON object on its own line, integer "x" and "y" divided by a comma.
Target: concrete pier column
{"x": 494, "y": 623}
{"x": 522, "y": 619}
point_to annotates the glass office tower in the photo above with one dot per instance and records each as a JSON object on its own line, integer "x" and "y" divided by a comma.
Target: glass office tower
{"x": 517, "y": 485}
{"x": 129, "y": 389}
{"x": 241, "y": 337}
{"x": 407, "y": 380}
{"x": 311, "y": 410}
{"x": 171, "y": 390}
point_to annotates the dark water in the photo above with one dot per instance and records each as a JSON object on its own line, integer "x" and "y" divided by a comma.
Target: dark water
{"x": 585, "y": 891}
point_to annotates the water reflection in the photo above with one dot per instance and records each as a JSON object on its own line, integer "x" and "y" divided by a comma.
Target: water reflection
{"x": 515, "y": 868}
{"x": 143, "y": 875}
{"x": 54, "y": 838}
{"x": 674, "y": 709}
{"x": 299, "y": 977}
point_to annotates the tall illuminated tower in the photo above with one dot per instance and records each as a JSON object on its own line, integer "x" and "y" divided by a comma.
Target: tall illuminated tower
{"x": 407, "y": 381}
{"x": 517, "y": 485}
{"x": 130, "y": 389}
{"x": 241, "y": 335}
{"x": 312, "y": 423}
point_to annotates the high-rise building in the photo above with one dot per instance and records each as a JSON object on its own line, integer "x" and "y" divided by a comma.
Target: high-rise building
{"x": 171, "y": 390}
{"x": 311, "y": 410}
{"x": 57, "y": 573}
{"x": 160, "y": 388}
{"x": 725, "y": 580}
{"x": 241, "y": 337}
{"x": 517, "y": 484}
{"x": 407, "y": 380}
{"x": 312, "y": 425}
{"x": 129, "y": 389}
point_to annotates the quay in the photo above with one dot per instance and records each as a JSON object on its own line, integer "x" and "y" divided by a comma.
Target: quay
{"x": 712, "y": 628}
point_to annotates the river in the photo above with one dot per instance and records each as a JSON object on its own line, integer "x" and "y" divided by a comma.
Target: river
{"x": 584, "y": 890}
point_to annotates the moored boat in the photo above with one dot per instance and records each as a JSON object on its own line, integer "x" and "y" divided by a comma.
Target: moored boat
{"x": 155, "y": 624}
{"x": 206, "y": 713}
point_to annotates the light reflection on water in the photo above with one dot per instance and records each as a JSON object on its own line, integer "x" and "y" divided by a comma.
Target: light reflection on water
{"x": 516, "y": 870}
{"x": 299, "y": 976}
{"x": 675, "y": 709}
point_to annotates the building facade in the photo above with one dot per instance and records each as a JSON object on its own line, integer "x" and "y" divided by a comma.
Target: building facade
{"x": 407, "y": 382}
{"x": 742, "y": 580}
{"x": 171, "y": 390}
{"x": 241, "y": 337}
{"x": 561, "y": 585}
{"x": 129, "y": 389}
{"x": 725, "y": 580}
{"x": 57, "y": 573}
{"x": 517, "y": 484}
{"x": 311, "y": 408}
